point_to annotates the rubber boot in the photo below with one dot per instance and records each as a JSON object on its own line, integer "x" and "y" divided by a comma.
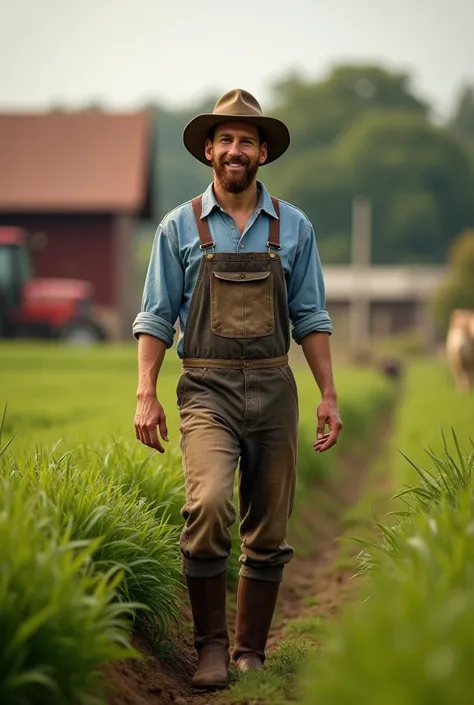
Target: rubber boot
{"x": 208, "y": 604}
{"x": 256, "y": 600}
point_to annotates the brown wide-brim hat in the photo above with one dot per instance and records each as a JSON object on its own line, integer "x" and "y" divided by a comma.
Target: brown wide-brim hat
{"x": 236, "y": 106}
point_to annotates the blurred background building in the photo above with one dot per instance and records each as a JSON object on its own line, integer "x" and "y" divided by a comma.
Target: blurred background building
{"x": 78, "y": 184}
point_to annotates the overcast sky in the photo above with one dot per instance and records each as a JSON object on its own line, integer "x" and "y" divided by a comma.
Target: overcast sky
{"x": 126, "y": 52}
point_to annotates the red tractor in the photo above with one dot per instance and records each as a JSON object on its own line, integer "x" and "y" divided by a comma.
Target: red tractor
{"x": 41, "y": 308}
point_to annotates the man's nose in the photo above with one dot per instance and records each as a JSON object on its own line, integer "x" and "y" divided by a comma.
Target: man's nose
{"x": 234, "y": 148}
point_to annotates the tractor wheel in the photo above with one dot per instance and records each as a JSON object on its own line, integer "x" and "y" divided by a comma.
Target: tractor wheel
{"x": 81, "y": 333}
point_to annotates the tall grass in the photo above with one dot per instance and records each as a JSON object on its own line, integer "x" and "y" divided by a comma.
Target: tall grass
{"x": 59, "y": 620}
{"x": 429, "y": 403}
{"x": 157, "y": 479}
{"x": 89, "y": 503}
{"x": 99, "y": 487}
{"x": 411, "y": 640}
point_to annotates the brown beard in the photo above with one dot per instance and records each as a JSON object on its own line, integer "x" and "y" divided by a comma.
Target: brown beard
{"x": 235, "y": 183}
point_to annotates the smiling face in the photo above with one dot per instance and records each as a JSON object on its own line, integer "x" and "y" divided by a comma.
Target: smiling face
{"x": 236, "y": 152}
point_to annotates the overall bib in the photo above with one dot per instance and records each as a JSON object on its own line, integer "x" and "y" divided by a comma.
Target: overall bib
{"x": 238, "y": 401}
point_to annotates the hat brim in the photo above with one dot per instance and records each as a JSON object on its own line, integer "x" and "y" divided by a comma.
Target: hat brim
{"x": 275, "y": 133}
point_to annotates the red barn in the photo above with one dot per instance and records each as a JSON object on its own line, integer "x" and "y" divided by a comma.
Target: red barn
{"x": 78, "y": 183}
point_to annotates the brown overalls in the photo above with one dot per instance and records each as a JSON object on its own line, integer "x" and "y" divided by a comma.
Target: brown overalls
{"x": 237, "y": 399}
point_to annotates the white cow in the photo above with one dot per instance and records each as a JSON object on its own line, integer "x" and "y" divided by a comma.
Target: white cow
{"x": 460, "y": 348}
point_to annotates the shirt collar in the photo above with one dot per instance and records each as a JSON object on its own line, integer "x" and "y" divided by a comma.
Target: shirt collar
{"x": 264, "y": 203}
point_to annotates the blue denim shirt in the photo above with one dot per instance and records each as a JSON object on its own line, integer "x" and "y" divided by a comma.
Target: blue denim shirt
{"x": 176, "y": 257}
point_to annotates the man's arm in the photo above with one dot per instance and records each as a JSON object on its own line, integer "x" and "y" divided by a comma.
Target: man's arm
{"x": 150, "y": 413}
{"x": 317, "y": 352}
{"x": 311, "y": 329}
{"x": 163, "y": 290}
{"x": 154, "y": 328}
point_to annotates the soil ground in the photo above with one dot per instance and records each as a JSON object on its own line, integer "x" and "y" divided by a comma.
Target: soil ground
{"x": 316, "y": 583}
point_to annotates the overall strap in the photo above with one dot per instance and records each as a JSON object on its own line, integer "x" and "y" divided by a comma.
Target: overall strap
{"x": 205, "y": 236}
{"x": 274, "y": 233}
{"x": 202, "y": 225}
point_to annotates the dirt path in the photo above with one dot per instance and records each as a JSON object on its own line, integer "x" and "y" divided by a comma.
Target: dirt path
{"x": 314, "y": 584}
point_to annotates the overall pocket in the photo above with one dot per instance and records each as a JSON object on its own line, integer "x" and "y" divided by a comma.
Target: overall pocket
{"x": 186, "y": 378}
{"x": 287, "y": 373}
{"x": 242, "y": 304}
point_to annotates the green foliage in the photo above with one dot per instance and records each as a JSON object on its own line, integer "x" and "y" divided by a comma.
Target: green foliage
{"x": 160, "y": 483}
{"x": 458, "y": 289}
{"x": 418, "y": 177}
{"x": 462, "y": 121}
{"x": 59, "y": 620}
{"x": 450, "y": 296}
{"x": 278, "y": 682}
{"x": 177, "y": 176}
{"x": 429, "y": 402}
{"x": 319, "y": 112}
{"x": 90, "y": 503}
{"x": 451, "y": 477}
{"x": 411, "y": 641}
{"x": 419, "y": 180}
{"x": 308, "y": 627}
{"x": 462, "y": 255}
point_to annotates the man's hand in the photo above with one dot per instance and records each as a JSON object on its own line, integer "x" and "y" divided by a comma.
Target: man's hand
{"x": 328, "y": 414}
{"x": 148, "y": 416}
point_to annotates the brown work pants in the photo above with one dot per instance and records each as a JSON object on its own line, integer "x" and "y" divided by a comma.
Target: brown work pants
{"x": 227, "y": 415}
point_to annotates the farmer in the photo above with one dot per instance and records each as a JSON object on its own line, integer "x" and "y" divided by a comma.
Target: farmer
{"x": 236, "y": 267}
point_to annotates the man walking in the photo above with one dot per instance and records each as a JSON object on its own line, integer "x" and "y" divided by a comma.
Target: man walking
{"x": 241, "y": 272}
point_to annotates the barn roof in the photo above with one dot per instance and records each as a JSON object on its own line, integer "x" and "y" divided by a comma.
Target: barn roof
{"x": 88, "y": 161}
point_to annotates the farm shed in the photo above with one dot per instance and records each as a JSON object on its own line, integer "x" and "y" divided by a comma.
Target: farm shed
{"x": 397, "y": 296}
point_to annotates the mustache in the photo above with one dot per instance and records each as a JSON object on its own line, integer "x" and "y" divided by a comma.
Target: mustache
{"x": 240, "y": 161}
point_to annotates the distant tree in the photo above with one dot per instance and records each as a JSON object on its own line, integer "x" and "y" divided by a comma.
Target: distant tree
{"x": 458, "y": 290}
{"x": 417, "y": 176}
{"x": 319, "y": 112}
{"x": 462, "y": 121}
{"x": 420, "y": 182}
{"x": 177, "y": 176}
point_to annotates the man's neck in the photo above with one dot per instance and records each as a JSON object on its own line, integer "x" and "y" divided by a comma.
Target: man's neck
{"x": 244, "y": 202}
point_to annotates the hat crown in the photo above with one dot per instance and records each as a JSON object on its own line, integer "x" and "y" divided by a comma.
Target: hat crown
{"x": 238, "y": 102}
{"x": 236, "y": 105}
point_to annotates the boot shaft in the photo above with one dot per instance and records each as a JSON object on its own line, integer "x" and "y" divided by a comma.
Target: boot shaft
{"x": 208, "y": 604}
{"x": 256, "y": 601}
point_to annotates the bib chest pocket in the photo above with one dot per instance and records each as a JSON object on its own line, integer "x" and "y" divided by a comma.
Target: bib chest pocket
{"x": 242, "y": 304}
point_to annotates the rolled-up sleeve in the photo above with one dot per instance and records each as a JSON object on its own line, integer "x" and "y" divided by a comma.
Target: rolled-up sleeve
{"x": 163, "y": 291}
{"x": 307, "y": 295}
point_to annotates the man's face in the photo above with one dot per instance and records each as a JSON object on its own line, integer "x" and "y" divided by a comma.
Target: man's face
{"x": 235, "y": 154}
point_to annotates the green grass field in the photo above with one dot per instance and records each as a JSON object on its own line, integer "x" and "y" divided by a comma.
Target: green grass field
{"x": 408, "y": 640}
{"x": 429, "y": 406}
{"x": 73, "y": 395}
{"x": 96, "y": 519}
{"x": 97, "y": 503}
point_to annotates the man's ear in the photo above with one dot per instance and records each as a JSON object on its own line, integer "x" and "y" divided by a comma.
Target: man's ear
{"x": 263, "y": 153}
{"x": 208, "y": 150}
